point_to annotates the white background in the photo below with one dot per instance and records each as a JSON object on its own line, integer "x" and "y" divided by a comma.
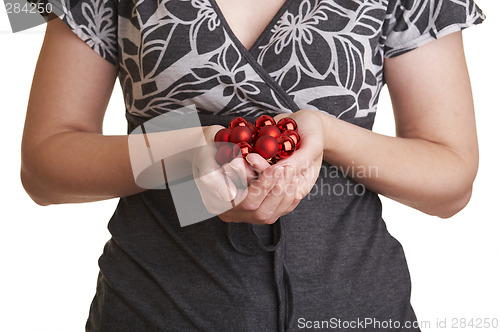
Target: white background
{"x": 48, "y": 255}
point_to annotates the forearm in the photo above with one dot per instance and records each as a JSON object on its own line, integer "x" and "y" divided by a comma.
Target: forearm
{"x": 76, "y": 166}
{"x": 73, "y": 166}
{"x": 422, "y": 174}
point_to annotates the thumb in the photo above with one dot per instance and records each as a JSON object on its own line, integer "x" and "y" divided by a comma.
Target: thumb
{"x": 258, "y": 163}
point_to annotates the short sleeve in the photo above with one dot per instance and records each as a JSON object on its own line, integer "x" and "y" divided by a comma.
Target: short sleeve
{"x": 413, "y": 23}
{"x": 93, "y": 21}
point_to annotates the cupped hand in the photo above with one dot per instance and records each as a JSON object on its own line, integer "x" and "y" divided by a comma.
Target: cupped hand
{"x": 307, "y": 160}
{"x": 239, "y": 193}
{"x": 265, "y": 201}
{"x": 268, "y": 197}
{"x": 216, "y": 189}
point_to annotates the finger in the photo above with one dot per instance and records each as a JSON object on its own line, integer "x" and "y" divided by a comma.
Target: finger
{"x": 245, "y": 173}
{"x": 229, "y": 186}
{"x": 281, "y": 116}
{"x": 257, "y": 163}
{"x": 251, "y": 211}
{"x": 276, "y": 202}
{"x": 231, "y": 173}
{"x": 290, "y": 202}
{"x": 215, "y": 201}
{"x": 217, "y": 184}
{"x": 291, "y": 191}
{"x": 261, "y": 187}
{"x": 301, "y": 159}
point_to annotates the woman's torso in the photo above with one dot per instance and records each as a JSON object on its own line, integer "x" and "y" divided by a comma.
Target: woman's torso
{"x": 331, "y": 258}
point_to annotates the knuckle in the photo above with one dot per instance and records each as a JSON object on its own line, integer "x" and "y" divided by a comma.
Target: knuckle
{"x": 270, "y": 221}
{"x": 279, "y": 189}
{"x": 291, "y": 208}
{"x": 262, "y": 216}
{"x": 265, "y": 184}
{"x": 249, "y": 205}
{"x": 224, "y": 218}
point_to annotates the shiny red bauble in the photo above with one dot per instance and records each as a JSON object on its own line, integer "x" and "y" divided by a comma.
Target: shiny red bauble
{"x": 287, "y": 124}
{"x": 269, "y": 130}
{"x": 270, "y": 140}
{"x": 241, "y": 122}
{"x": 286, "y": 147}
{"x": 224, "y": 154}
{"x": 237, "y": 122}
{"x": 243, "y": 149}
{"x": 293, "y": 135}
{"x": 241, "y": 134}
{"x": 267, "y": 146}
{"x": 264, "y": 120}
{"x": 222, "y": 135}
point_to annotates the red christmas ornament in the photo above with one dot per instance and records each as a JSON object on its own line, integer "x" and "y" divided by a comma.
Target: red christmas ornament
{"x": 264, "y": 120}
{"x": 266, "y": 146}
{"x": 242, "y": 148}
{"x": 286, "y": 147}
{"x": 241, "y": 134}
{"x": 224, "y": 154}
{"x": 269, "y": 130}
{"x": 287, "y": 124}
{"x": 270, "y": 140}
{"x": 239, "y": 121}
{"x": 293, "y": 135}
{"x": 222, "y": 135}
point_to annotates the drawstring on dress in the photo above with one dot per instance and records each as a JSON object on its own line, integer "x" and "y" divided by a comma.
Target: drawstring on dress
{"x": 281, "y": 276}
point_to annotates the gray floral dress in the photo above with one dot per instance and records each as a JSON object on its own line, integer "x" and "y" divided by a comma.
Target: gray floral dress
{"x": 329, "y": 264}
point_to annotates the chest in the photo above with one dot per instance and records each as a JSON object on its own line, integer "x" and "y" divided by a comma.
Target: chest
{"x": 248, "y": 18}
{"x": 246, "y": 57}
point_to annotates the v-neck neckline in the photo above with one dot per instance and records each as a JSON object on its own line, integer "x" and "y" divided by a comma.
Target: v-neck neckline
{"x": 261, "y": 36}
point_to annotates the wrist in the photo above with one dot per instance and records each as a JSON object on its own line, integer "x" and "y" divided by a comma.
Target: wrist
{"x": 328, "y": 123}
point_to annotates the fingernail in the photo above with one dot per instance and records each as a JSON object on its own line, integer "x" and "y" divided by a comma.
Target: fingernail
{"x": 249, "y": 160}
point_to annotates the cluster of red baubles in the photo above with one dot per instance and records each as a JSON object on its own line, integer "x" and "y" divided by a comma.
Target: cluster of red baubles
{"x": 273, "y": 141}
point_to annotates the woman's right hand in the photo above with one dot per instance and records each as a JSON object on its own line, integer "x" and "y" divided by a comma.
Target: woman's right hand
{"x": 236, "y": 192}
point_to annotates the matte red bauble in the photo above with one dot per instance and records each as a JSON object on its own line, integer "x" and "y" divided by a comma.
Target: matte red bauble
{"x": 286, "y": 147}
{"x": 242, "y": 148}
{"x": 224, "y": 154}
{"x": 293, "y": 135}
{"x": 287, "y": 124}
{"x": 264, "y": 120}
{"x": 269, "y": 130}
{"x": 222, "y": 135}
{"x": 241, "y": 134}
{"x": 266, "y": 146}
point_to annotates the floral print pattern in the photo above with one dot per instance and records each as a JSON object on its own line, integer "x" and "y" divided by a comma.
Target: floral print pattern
{"x": 326, "y": 55}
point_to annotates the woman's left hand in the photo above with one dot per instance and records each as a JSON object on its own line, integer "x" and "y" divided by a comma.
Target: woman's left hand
{"x": 307, "y": 160}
